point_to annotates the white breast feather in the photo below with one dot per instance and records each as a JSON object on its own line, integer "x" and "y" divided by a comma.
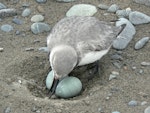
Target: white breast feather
{"x": 92, "y": 57}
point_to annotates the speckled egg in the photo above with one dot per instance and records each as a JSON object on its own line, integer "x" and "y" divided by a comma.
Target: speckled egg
{"x": 68, "y": 87}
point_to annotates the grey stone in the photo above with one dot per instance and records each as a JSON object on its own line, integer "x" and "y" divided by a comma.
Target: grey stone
{"x": 25, "y": 4}
{"x": 133, "y": 103}
{"x": 125, "y": 36}
{"x": 40, "y": 27}
{"x": 26, "y": 12}
{"x": 65, "y": 0}
{"x": 123, "y": 13}
{"x": 41, "y": 1}
{"x": 115, "y": 112}
{"x": 116, "y": 57}
{"x": 113, "y": 8}
{"x": 145, "y": 63}
{"x": 81, "y": 10}
{"x": 145, "y": 2}
{"x": 141, "y": 42}
{"x": 17, "y": 21}
{"x": 143, "y": 103}
{"x": 7, "y": 110}
{"x": 112, "y": 76}
{"x": 37, "y": 18}
{"x": 1, "y": 49}
{"x": 6, "y": 28}
{"x": 147, "y": 110}
{"x": 2, "y": 6}
{"x": 138, "y": 18}
{"x": 45, "y": 49}
{"x": 103, "y": 6}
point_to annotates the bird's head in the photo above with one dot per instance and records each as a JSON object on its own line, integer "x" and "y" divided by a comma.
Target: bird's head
{"x": 63, "y": 59}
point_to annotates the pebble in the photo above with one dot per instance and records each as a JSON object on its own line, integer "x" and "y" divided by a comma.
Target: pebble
{"x": 112, "y": 76}
{"x": 145, "y": 2}
{"x": 41, "y": 1}
{"x": 18, "y": 32}
{"x": 6, "y": 28}
{"x": 143, "y": 103}
{"x": 44, "y": 49}
{"x": 65, "y": 0}
{"x": 113, "y": 8}
{"x": 25, "y": 4}
{"x": 29, "y": 49}
{"x": 40, "y": 9}
{"x": 133, "y": 103}
{"x": 7, "y": 110}
{"x": 115, "y": 112}
{"x": 26, "y": 12}
{"x": 103, "y": 6}
{"x": 116, "y": 57}
{"x": 40, "y": 27}
{"x": 123, "y": 13}
{"x": 37, "y": 18}
{"x": 147, "y": 110}
{"x": 138, "y": 18}
{"x": 125, "y": 36}
{"x": 141, "y": 42}
{"x": 1, "y": 49}
{"x": 141, "y": 71}
{"x": 8, "y": 12}
{"x": 145, "y": 63}
{"x": 17, "y": 21}
{"x": 2, "y": 6}
{"x": 81, "y": 10}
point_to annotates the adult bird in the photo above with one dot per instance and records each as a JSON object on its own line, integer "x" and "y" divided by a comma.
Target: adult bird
{"x": 76, "y": 41}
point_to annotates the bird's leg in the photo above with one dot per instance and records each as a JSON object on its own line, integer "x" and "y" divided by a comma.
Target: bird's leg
{"x": 93, "y": 69}
{"x": 53, "y": 88}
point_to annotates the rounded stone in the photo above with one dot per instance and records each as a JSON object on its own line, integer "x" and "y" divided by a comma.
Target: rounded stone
{"x": 41, "y": 1}
{"x": 40, "y": 27}
{"x": 113, "y": 8}
{"x": 81, "y": 10}
{"x": 17, "y": 21}
{"x": 141, "y": 42}
{"x": 2, "y": 6}
{"x": 6, "y": 28}
{"x": 26, "y": 12}
{"x": 37, "y": 18}
{"x": 133, "y": 103}
{"x": 147, "y": 110}
{"x": 68, "y": 87}
{"x": 103, "y": 6}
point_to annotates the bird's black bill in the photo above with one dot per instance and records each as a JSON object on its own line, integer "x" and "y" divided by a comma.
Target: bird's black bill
{"x": 53, "y": 88}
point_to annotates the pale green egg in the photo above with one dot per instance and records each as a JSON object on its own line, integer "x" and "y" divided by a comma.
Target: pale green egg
{"x": 49, "y": 80}
{"x": 68, "y": 87}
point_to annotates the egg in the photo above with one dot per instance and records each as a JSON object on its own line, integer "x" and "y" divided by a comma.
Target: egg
{"x": 49, "y": 80}
{"x": 68, "y": 87}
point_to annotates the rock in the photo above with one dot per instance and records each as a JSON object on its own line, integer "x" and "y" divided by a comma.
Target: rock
{"x": 29, "y": 49}
{"x": 41, "y": 1}
{"x": 141, "y": 42}
{"x": 103, "y": 6}
{"x": 25, "y": 4}
{"x": 138, "y": 18}
{"x": 143, "y": 103}
{"x": 17, "y": 21}
{"x": 115, "y": 112}
{"x": 116, "y": 57}
{"x": 1, "y": 49}
{"x": 133, "y": 103}
{"x": 8, "y": 12}
{"x": 37, "y": 18}
{"x": 6, "y": 28}
{"x": 113, "y": 75}
{"x": 81, "y": 10}
{"x": 113, "y": 8}
{"x": 147, "y": 110}
{"x": 40, "y": 9}
{"x": 123, "y": 13}
{"x": 145, "y": 63}
{"x": 39, "y": 27}
{"x": 145, "y": 2}
{"x": 7, "y": 110}
{"x": 44, "y": 49}
{"x": 26, "y": 12}
{"x": 125, "y": 36}
{"x": 2, "y": 6}
{"x": 65, "y": 0}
